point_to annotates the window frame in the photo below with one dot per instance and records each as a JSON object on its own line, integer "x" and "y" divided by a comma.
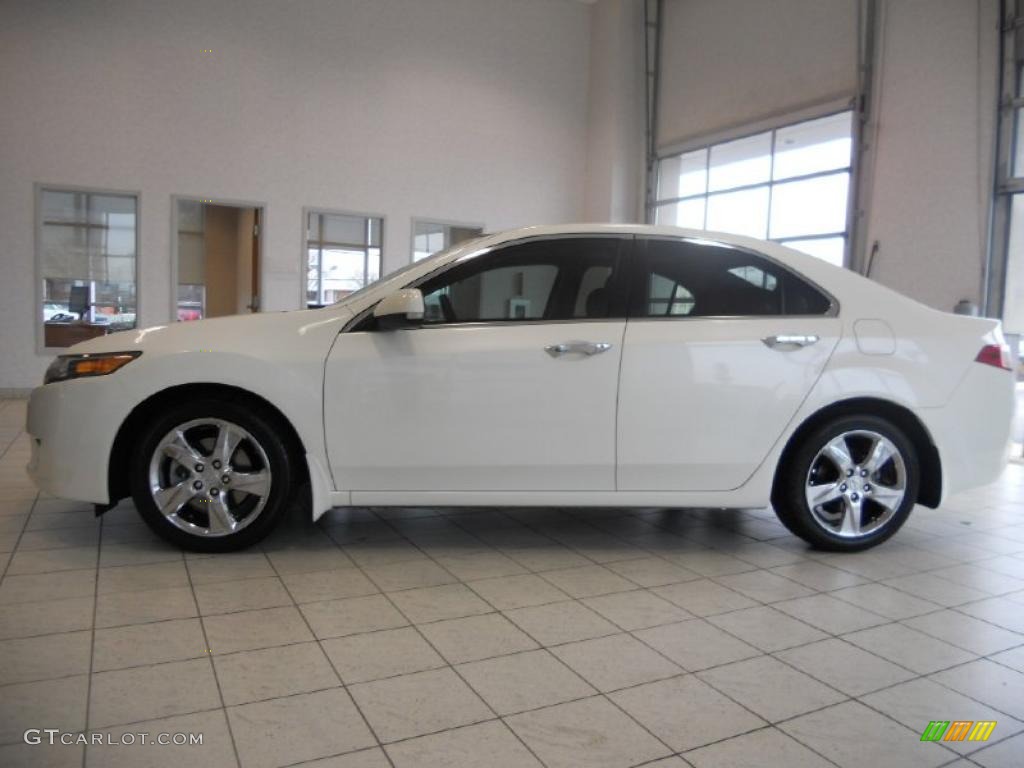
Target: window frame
{"x": 304, "y": 254}
{"x": 708, "y": 142}
{"x": 441, "y": 222}
{"x": 637, "y": 269}
{"x": 37, "y": 189}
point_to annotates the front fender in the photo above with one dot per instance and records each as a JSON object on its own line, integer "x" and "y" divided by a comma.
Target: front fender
{"x": 279, "y": 358}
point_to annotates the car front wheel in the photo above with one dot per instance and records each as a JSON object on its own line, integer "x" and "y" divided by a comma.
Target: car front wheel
{"x": 851, "y": 484}
{"x": 212, "y": 475}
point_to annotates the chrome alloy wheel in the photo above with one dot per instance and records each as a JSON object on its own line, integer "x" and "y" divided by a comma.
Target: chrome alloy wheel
{"x": 209, "y": 477}
{"x": 856, "y": 483}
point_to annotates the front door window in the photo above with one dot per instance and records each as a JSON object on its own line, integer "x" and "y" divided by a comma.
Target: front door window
{"x": 557, "y": 279}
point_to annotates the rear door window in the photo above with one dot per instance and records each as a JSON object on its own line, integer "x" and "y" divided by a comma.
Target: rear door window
{"x": 676, "y": 278}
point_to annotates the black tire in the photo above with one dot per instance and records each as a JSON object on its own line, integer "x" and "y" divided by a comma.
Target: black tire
{"x": 785, "y": 514}
{"x": 789, "y": 497}
{"x": 263, "y": 427}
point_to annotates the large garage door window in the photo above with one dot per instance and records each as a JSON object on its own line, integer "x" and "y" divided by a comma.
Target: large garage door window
{"x": 87, "y": 243}
{"x": 790, "y": 185}
{"x": 344, "y": 254}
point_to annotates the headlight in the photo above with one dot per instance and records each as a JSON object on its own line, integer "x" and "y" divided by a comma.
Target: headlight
{"x": 77, "y": 366}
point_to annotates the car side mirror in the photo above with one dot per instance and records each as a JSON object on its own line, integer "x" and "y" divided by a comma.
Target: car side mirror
{"x": 401, "y": 309}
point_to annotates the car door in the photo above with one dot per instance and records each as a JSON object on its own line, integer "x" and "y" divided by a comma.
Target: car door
{"x": 721, "y": 348}
{"x": 509, "y": 384}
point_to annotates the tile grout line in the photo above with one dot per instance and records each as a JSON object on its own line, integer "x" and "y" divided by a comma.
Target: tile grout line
{"x": 917, "y": 675}
{"x": 213, "y": 667}
{"x": 330, "y": 662}
{"x": 17, "y": 541}
{"x": 847, "y": 698}
{"x": 606, "y": 564}
{"x": 683, "y": 673}
{"x": 92, "y": 644}
{"x": 541, "y": 646}
{"x": 859, "y": 697}
{"x": 893, "y": 622}
{"x": 444, "y": 658}
{"x": 886, "y": 621}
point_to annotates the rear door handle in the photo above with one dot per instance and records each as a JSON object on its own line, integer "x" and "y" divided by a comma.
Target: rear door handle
{"x": 785, "y": 342}
{"x": 588, "y": 348}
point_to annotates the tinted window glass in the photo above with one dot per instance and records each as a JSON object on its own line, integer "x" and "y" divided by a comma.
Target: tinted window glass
{"x": 666, "y": 296}
{"x": 677, "y": 278}
{"x": 558, "y": 279}
{"x": 595, "y": 278}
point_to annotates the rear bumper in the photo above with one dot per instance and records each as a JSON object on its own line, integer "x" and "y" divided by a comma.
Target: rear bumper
{"x": 972, "y": 431}
{"x": 72, "y": 426}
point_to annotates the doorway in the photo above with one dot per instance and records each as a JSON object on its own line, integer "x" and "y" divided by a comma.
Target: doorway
{"x": 218, "y": 258}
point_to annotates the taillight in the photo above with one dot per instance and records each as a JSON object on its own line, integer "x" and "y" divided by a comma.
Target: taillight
{"x": 995, "y": 354}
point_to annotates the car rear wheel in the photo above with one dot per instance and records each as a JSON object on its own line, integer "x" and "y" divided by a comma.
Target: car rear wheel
{"x": 212, "y": 475}
{"x": 851, "y": 484}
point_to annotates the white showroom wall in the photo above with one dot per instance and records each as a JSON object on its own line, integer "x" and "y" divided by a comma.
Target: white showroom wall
{"x": 464, "y": 110}
{"x": 615, "y": 129}
{"x": 502, "y": 112}
{"x": 930, "y": 182}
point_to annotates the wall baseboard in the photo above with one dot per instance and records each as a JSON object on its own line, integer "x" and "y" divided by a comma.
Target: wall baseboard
{"x": 14, "y": 393}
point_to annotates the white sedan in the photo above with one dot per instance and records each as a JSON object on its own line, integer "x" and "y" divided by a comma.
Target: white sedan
{"x": 577, "y": 365}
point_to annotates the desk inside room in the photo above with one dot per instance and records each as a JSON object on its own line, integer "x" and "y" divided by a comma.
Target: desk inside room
{"x": 66, "y": 334}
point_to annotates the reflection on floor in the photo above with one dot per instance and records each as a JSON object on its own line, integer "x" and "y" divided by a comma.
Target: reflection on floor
{"x": 517, "y": 637}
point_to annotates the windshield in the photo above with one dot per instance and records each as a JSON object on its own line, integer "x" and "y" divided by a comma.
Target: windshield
{"x": 398, "y": 273}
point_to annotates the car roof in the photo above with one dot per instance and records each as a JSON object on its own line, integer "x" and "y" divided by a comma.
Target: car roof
{"x": 797, "y": 260}
{"x": 649, "y": 230}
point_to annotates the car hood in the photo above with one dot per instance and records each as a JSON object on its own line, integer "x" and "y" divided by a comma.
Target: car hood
{"x": 235, "y": 333}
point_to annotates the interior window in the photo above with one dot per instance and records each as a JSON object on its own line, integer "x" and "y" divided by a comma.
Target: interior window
{"x": 87, "y": 244}
{"x": 699, "y": 280}
{"x": 557, "y": 279}
{"x": 344, "y": 255}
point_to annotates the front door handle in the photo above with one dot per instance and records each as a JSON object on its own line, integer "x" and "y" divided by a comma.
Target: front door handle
{"x": 588, "y": 348}
{"x": 785, "y": 342}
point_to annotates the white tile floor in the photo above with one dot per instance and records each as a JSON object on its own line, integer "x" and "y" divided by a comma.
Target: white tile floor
{"x": 520, "y": 637}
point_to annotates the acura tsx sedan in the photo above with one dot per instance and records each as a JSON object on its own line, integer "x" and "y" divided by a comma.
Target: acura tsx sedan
{"x": 625, "y": 366}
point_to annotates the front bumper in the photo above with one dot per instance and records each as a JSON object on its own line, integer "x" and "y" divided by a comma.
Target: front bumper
{"x": 72, "y": 426}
